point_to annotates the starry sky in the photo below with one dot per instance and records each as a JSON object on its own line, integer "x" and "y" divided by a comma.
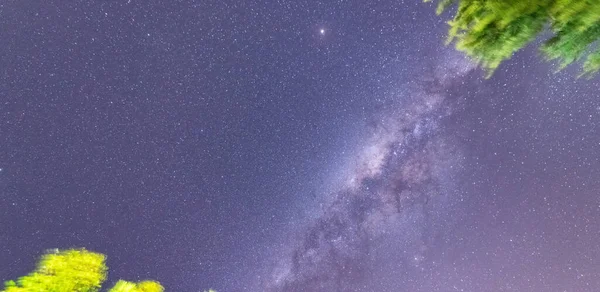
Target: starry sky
{"x": 288, "y": 146}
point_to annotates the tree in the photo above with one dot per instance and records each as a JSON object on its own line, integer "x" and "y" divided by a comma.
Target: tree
{"x": 144, "y": 286}
{"x": 73, "y": 270}
{"x": 490, "y": 31}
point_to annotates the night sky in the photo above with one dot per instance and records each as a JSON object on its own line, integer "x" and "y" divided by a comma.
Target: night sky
{"x": 291, "y": 146}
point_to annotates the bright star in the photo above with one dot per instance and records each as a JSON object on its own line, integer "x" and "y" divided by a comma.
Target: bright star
{"x": 322, "y": 31}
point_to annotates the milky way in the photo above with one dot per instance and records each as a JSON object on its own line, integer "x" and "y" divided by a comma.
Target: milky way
{"x": 398, "y": 182}
{"x": 273, "y": 146}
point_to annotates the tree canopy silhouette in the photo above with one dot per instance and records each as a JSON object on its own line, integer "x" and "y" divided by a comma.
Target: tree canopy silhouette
{"x": 490, "y": 31}
{"x": 74, "y": 270}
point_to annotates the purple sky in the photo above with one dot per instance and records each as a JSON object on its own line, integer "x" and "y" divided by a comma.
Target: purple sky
{"x": 291, "y": 146}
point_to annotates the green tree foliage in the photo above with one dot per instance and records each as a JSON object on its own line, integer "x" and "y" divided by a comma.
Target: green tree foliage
{"x": 73, "y": 270}
{"x": 490, "y": 31}
{"x": 144, "y": 286}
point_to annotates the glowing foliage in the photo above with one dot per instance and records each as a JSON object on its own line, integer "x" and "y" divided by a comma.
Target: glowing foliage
{"x": 73, "y": 270}
{"x": 490, "y": 31}
{"x": 144, "y": 286}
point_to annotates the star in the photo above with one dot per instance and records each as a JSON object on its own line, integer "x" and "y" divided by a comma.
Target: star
{"x": 322, "y": 31}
